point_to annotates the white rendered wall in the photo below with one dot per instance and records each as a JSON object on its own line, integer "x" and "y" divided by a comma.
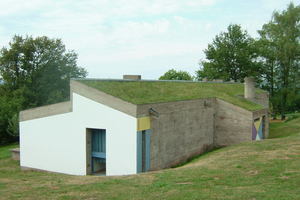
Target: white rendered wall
{"x": 120, "y": 133}
{"x": 52, "y": 144}
{"x": 58, "y": 143}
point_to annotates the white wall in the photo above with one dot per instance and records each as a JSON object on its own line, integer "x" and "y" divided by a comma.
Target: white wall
{"x": 58, "y": 143}
{"x": 52, "y": 144}
{"x": 120, "y": 133}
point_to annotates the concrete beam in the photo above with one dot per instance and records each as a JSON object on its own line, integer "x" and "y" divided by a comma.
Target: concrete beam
{"x": 45, "y": 111}
{"x": 103, "y": 98}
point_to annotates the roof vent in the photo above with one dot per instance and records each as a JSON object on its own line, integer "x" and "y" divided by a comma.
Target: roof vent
{"x": 132, "y": 77}
{"x": 249, "y": 88}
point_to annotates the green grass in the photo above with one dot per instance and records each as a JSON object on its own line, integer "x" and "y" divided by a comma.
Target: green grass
{"x": 286, "y": 128}
{"x": 266, "y": 169}
{"x": 145, "y": 92}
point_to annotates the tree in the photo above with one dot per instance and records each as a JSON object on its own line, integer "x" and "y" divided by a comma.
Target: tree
{"x": 231, "y": 56}
{"x": 172, "y": 74}
{"x": 33, "y": 72}
{"x": 10, "y": 104}
{"x": 41, "y": 66}
{"x": 282, "y": 36}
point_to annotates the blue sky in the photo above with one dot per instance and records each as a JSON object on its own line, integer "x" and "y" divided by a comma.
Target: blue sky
{"x": 147, "y": 37}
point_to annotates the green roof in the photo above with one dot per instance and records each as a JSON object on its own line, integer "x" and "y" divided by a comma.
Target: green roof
{"x": 146, "y": 92}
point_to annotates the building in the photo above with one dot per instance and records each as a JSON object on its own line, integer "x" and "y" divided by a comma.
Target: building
{"x": 121, "y": 127}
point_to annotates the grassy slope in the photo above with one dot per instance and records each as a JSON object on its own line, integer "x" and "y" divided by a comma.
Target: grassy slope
{"x": 266, "y": 169}
{"x": 144, "y": 92}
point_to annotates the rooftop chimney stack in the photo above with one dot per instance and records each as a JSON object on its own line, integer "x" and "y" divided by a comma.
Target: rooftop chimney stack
{"x": 132, "y": 77}
{"x": 249, "y": 88}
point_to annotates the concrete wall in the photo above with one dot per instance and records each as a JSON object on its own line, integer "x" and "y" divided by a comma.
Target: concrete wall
{"x": 232, "y": 124}
{"x": 182, "y": 130}
{"x": 262, "y": 98}
{"x": 188, "y": 128}
{"x": 58, "y": 143}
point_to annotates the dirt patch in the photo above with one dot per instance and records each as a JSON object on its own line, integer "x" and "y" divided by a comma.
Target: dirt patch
{"x": 184, "y": 183}
{"x": 252, "y": 172}
{"x": 276, "y": 120}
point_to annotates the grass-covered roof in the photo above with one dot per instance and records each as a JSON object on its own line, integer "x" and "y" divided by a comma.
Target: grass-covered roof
{"x": 145, "y": 92}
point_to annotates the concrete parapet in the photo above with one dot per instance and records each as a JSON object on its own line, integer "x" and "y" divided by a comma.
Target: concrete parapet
{"x": 103, "y": 98}
{"x": 45, "y": 111}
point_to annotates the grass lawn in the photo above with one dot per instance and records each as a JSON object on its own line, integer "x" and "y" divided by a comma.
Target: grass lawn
{"x": 268, "y": 169}
{"x": 145, "y": 92}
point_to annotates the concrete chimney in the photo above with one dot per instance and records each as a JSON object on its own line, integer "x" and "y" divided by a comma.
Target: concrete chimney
{"x": 132, "y": 77}
{"x": 249, "y": 88}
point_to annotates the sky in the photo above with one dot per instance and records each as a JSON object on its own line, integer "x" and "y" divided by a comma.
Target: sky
{"x": 146, "y": 37}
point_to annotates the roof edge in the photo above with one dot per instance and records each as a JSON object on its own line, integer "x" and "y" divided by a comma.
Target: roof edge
{"x": 103, "y": 98}
{"x": 150, "y": 80}
{"x": 45, "y": 111}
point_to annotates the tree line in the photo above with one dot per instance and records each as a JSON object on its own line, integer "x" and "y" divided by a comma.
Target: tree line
{"x": 33, "y": 72}
{"x": 273, "y": 59}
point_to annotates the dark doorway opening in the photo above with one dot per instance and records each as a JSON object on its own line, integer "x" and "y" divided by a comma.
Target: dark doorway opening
{"x": 96, "y": 151}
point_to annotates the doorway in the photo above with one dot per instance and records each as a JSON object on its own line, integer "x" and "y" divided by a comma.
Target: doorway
{"x": 143, "y": 150}
{"x": 96, "y": 151}
{"x": 258, "y": 129}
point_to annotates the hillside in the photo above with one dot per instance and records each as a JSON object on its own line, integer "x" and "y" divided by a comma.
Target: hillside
{"x": 266, "y": 169}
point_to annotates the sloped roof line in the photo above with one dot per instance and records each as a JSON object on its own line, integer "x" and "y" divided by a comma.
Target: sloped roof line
{"x": 151, "y": 80}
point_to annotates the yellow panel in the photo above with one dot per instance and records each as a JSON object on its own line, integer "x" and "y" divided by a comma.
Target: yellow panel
{"x": 257, "y": 123}
{"x": 143, "y": 123}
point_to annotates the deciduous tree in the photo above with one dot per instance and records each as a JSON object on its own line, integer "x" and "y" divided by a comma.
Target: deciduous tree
{"x": 282, "y": 55}
{"x": 34, "y": 72}
{"x": 172, "y": 74}
{"x": 231, "y": 56}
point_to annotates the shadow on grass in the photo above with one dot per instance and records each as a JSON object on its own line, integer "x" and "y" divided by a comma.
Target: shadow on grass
{"x": 191, "y": 159}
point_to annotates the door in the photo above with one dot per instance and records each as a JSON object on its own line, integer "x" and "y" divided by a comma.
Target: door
{"x": 98, "y": 151}
{"x": 143, "y": 150}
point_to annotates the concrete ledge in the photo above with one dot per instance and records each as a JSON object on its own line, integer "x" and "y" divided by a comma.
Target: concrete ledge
{"x": 15, "y": 153}
{"x": 45, "y": 111}
{"x": 233, "y": 107}
{"x": 259, "y": 113}
{"x": 103, "y": 98}
{"x": 170, "y": 107}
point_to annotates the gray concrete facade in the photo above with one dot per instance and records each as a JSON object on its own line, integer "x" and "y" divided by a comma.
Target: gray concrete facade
{"x": 188, "y": 128}
{"x": 232, "y": 124}
{"x": 183, "y": 129}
